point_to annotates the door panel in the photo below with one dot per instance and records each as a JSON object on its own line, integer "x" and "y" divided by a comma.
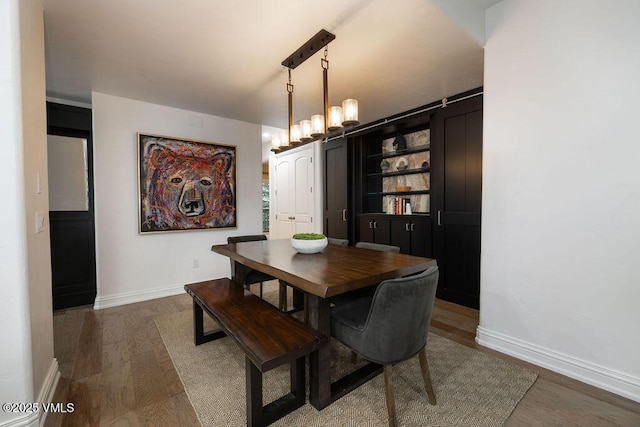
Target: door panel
{"x": 303, "y": 183}
{"x": 457, "y": 199}
{"x": 72, "y": 258}
{"x": 336, "y": 189}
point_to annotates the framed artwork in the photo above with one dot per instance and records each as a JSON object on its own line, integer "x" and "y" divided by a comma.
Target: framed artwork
{"x": 185, "y": 185}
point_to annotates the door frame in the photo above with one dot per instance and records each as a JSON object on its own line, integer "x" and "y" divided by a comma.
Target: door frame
{"x": 77, "y": 122}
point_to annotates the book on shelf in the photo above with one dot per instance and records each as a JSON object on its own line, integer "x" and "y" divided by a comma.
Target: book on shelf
{"x": 397, "y": 205}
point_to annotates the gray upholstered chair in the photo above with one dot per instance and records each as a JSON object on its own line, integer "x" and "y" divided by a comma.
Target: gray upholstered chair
{"x": 252, "y": 276}
{"x": 391, "y": 326}
{"x": 341, "y": 242}
{"x": 378, "y": 247}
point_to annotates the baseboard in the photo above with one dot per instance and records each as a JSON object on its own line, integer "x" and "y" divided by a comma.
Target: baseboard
{"x": 26, "y": 420}
{"x": 48, "y": 389}
{"x": 599, "y": 376}
{"x": 138, "y": 296}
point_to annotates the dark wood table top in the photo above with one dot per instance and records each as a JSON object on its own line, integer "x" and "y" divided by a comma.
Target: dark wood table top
{"x": 335, "y": 270}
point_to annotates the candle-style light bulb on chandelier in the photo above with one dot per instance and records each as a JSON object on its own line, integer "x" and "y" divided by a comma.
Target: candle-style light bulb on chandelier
{"x": 332, "y": 118}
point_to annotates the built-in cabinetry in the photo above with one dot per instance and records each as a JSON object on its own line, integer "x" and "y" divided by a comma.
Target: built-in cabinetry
{"x": 430, "y": 157}
{"x": 395, "y": 187}
{"x": 412, "y": 233}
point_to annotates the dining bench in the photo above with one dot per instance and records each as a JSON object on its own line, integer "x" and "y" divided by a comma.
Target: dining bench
{"x": 267, "y": 336}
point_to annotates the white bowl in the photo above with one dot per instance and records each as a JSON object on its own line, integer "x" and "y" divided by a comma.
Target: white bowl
{"x": 309, "y": 246}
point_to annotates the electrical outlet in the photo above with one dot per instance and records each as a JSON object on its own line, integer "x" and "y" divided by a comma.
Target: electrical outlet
{"x": 196, "y": 263}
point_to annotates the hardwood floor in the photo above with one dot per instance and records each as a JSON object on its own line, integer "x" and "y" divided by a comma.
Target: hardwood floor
{"x": 115, "y": 369}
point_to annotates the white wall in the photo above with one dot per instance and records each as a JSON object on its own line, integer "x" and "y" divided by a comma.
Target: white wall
{"x": 28, "y": 371}
{"x": 560, "y": 284}
{"x": 133, "y": 267}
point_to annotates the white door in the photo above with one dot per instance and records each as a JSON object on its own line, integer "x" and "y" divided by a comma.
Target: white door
{"x": 303, "y": 190}
{"x": 284, "y": 199}
{"x": 294, "y": 180}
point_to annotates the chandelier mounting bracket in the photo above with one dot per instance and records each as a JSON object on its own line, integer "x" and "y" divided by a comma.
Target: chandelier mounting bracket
{"x": 308, "y": 49}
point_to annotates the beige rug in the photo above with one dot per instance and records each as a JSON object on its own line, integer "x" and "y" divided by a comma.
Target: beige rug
{"x": 472, "y": 388}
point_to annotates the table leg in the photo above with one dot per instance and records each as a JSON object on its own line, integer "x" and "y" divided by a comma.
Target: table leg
{"x": 320, "y": 361}
{"x": 298, "y": 298}
{"x": 238, "y": 272}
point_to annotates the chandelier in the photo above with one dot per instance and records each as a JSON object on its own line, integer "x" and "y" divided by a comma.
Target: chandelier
{"x": 332, "y": 118}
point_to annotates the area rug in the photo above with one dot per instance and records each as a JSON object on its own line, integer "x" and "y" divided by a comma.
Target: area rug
{"x": 472, "y": 388}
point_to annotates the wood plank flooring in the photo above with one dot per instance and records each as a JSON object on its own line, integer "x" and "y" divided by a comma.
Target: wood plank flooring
{"x": 115, "y": 369}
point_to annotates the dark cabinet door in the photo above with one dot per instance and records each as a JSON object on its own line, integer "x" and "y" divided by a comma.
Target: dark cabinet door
{"x": 421, "y": 237}
{"x": 374, "y": 229}
{"x": 456, "y": 174}
{"x": 365, "y": 229}
{"x": 401, "y": 234}
{"x": 382, "y": 230}
{"x": 412, "y": 235}
{"x": 336, "y": 189}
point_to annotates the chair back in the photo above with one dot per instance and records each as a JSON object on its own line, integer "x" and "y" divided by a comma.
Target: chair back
{"x": 398, "y": 322}
{"x": 247, "y": 276}
{"x": 251, "y": 238}
{"x": 341, "y": 242}
{"x": 378, "y": 247}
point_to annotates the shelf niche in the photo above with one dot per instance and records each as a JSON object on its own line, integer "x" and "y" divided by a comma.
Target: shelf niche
{"x": 415, "y": 175}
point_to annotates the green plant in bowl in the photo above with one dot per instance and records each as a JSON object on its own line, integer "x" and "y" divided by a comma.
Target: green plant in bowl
{"x": 309, "y": 236}
{"x": 309, "y": 243}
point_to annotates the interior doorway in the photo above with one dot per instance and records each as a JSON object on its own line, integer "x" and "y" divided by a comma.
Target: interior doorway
{"x": 71, "y": 211}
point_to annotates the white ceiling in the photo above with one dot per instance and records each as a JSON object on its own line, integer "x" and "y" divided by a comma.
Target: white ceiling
{"x": 223, "y": 58}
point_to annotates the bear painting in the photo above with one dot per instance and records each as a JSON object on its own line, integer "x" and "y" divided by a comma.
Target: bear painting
{"x": 185, "y": 185}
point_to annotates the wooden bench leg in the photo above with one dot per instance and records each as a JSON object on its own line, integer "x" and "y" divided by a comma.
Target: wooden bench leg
{"x": 298, "y": 380}
{"x": 254, "y": 395}
{"x": 199, "y": 336}
{"x": 259, "y": 415}
{"x": 198, "y": 321}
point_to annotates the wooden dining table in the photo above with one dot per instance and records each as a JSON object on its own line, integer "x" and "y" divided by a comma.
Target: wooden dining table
{"x": 334, "y": 271}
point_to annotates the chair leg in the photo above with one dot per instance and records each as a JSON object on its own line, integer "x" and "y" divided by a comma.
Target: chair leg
{"x": 306, "y": 309}
{"x": 260, "y": 290}
{"x": 426, "y": 376}
{"x": 389, "y": 396}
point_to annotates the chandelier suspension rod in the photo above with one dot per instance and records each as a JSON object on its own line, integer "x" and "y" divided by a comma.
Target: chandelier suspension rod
{"x": 324, "y": 63}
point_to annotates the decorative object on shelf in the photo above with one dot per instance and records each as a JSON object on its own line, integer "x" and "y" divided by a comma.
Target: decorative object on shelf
{"x": 384, "y": 165}
{"x": 309, "y": 243}
{"x": 400, "y": 143}
{"x": 403, "y": 188}
{"x": 425, "y": 164}
{"x": 333, "y": 118}
{"x": 402, "y": 164}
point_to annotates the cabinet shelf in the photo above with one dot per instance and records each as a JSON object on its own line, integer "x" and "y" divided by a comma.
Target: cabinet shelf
{"x": 397, "y": 193}
{"x": 398, "y": 173}
{"x": 404, "y": 152}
